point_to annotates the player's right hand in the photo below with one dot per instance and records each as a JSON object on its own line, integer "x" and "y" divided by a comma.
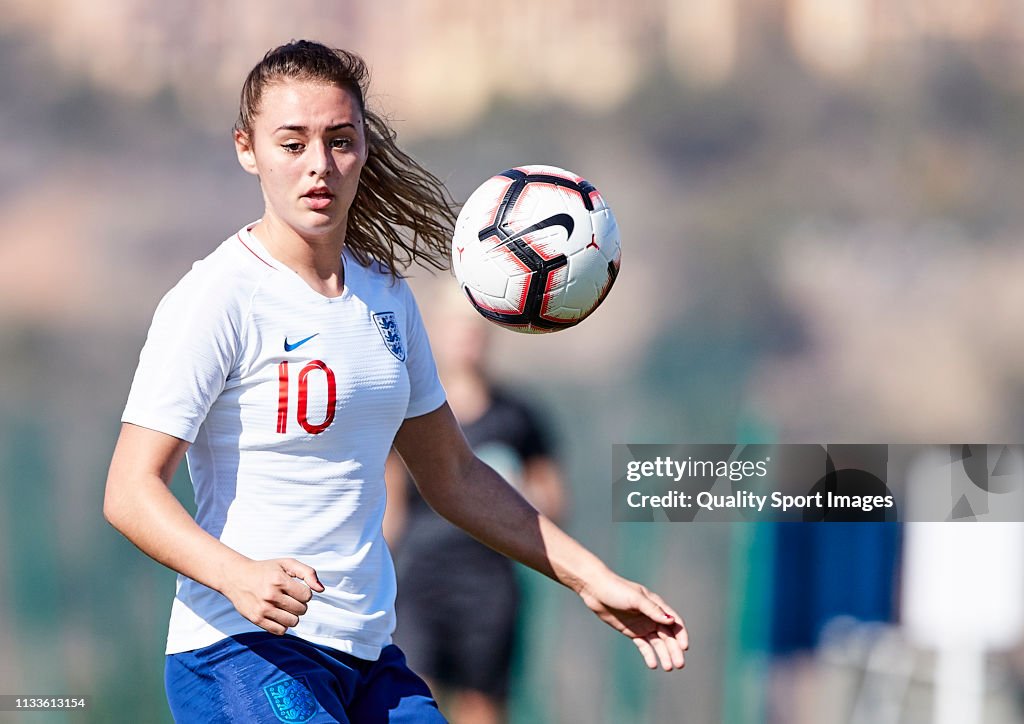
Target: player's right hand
{"x": 272, "y": 594}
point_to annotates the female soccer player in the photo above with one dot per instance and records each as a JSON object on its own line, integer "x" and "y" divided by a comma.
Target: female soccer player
{"x": 284, "y": 365}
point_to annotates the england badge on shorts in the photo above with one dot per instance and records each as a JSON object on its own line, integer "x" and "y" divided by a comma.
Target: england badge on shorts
{"x": 387, "y": 325}
{"x": 291, "y": 700}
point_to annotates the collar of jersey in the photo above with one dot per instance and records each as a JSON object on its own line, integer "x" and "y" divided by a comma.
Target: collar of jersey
{"x": 256, "y": 246}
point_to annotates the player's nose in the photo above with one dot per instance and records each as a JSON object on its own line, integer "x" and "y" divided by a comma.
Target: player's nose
{"x": 320, "y": 160}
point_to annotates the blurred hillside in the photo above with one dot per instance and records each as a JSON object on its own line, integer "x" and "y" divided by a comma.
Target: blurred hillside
{"x": 821, "y": 240}
{"x": 459, "y": 55}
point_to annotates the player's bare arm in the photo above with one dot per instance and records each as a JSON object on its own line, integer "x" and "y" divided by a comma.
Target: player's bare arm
{"x": 139, "y": 504}
{"x": 542, "y": 485}
{"x": 471, "y": 495}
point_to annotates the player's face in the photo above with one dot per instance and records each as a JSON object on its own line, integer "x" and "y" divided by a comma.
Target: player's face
{"x": 462, "y": 340}
{"x": 308, "y": 145}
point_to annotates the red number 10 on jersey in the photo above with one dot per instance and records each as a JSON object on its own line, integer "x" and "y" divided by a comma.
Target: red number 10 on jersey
{"x": 300, "y": 413}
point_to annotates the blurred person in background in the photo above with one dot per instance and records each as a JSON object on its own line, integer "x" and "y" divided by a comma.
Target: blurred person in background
{"x": 285, "y": 600}
{"x": 470, "y": 662}
{"x": 826, "y": 577}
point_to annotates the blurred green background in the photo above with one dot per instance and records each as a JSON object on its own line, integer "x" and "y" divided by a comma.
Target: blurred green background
{"x": 821, "y": 243}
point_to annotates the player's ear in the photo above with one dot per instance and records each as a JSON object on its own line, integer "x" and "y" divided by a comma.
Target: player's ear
{"x": 245, "y": 152}
{"x": 365, "y": 152}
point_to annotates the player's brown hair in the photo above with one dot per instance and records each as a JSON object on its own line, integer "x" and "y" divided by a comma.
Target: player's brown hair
{"x": 402, "y": 213}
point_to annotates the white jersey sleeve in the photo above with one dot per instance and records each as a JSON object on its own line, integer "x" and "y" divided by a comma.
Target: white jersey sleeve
{"x": 189, "y": 354}
{"x": 425, "y": 391}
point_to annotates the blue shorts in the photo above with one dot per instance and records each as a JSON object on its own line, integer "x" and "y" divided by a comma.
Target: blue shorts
{"x": 259, "y": 677}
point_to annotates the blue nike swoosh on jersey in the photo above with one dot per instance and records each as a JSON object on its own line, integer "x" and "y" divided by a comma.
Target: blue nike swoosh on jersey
{"x": 290, "y": 347}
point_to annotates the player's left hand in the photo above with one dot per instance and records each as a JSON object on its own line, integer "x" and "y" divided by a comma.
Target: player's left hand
{"x": 630, "y": 608}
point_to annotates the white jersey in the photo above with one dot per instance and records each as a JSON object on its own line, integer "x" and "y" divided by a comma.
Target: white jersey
{"x": 291, "y": 401}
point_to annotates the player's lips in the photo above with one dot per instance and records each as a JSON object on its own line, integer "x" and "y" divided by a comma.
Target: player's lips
{"x": 319, "y": 197}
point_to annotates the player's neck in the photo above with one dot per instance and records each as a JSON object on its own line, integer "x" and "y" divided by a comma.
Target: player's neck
{"x": 317, "y": 260}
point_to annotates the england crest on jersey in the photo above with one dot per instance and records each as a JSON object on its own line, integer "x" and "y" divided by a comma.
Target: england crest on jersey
{"x": 387, "y": 325}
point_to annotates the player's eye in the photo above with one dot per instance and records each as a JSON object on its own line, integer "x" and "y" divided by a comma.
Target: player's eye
{"x": 341, "y": 142}
{"x": 293, "y": 147}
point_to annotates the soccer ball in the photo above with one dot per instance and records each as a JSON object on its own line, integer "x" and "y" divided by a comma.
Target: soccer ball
{"x": 536, "y": 249}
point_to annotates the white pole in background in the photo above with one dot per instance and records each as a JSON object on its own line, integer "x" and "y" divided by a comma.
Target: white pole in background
{"x": 963, "y": 596}
{"x": 959, "y": 694}
{"x": 963, "y": 588}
